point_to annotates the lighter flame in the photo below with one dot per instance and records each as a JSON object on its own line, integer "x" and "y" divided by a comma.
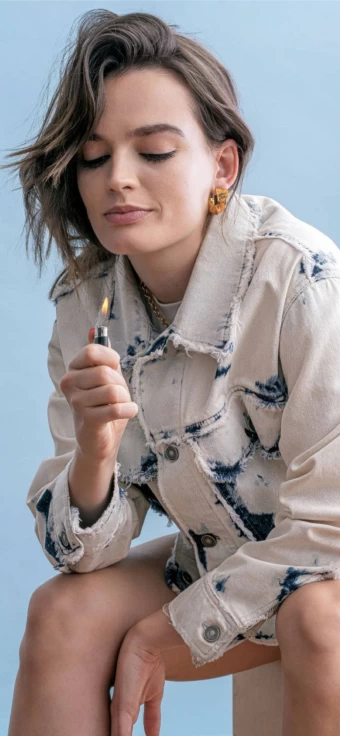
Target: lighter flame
{"x": 105, "y": 306}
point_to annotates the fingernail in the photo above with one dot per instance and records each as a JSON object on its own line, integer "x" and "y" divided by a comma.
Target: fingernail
{"x": 91, "y": 333}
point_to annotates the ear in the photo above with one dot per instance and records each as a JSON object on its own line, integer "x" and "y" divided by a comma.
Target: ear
{"x": 227, "y": 164}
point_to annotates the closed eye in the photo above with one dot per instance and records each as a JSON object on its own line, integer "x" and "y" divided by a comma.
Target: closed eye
{"x": 152, "y": 157}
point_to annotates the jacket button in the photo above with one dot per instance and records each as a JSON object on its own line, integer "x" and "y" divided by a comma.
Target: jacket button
{"x": 212, "y": 633}
{"x": 63, "y": 539}
{"x": 208, "y": 540}
{"x": 171, "y": 453}
{"x": 186, "y": 577}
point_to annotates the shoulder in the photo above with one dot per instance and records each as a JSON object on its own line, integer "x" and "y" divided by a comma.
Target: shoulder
{"x": 63, "y": 287}
{"x": 289, "y": 249}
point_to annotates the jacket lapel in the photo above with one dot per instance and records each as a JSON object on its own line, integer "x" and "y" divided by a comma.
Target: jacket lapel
{"x": 207, "y": 318}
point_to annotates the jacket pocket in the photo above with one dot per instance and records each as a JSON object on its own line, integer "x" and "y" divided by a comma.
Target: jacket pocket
{"x": 240, "y": 472}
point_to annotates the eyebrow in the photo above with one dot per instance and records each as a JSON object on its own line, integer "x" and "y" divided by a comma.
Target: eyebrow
{"x": 145, "y": 130}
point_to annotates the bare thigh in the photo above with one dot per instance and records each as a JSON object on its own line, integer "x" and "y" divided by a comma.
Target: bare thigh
{"x": 96, "y": 609}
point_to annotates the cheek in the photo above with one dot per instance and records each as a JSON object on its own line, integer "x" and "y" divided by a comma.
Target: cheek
{"x": 175, "y": 191}
{"x": 88, "y": 191}
{"x": 83, "y": 190}
{"x": 188, "y": 189}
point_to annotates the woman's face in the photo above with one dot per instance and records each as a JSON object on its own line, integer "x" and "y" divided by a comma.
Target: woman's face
{"x": 175, "y": 189}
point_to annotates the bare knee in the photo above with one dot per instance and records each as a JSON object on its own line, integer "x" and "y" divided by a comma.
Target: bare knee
{"x": 87, "y": 616}
{"x": 94, "y": 611}
{"x": 308, "y": 623}
{"x": 51, "y": 618}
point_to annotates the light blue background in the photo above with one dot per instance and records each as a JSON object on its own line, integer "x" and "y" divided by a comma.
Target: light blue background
{"x": 285, "y": 60}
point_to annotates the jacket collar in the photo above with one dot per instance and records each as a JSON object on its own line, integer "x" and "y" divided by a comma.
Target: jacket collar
{"x": 207, "y": 318}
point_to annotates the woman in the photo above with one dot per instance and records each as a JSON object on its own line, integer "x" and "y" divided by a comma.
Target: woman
{"x": 216, "y": 401}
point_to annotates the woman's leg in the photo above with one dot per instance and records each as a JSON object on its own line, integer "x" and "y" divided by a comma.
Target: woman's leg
{"x": 307, "y": 627}
{"x": 75, "y": 627}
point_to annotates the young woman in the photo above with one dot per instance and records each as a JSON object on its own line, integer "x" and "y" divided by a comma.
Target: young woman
{"x": 215, "y": 402}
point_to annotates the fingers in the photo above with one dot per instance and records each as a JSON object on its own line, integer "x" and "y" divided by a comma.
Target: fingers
{"x": 94, "y": 354}
{"x": 96, "y": 416}
{"x": 152, "y": 717}
{"x": 140, "y": 679}
{"x": 101, "y": 396}
{"x": 92, "y": 377}
{"x": 124, "y": 725}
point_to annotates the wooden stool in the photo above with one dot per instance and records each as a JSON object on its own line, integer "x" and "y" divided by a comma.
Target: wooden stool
{"x": 257, "y": 701}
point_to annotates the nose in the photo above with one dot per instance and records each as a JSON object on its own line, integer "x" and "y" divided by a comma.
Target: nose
{"x": 121, "y": 173}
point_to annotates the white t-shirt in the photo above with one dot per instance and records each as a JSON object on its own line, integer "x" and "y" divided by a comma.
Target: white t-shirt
{"x": 169, "y": 310}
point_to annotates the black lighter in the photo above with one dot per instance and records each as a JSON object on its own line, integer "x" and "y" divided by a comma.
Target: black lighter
{"x": 101, "y": 336}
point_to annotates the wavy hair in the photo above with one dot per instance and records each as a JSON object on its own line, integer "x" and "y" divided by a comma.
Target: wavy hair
{"x": 109, "y": 44}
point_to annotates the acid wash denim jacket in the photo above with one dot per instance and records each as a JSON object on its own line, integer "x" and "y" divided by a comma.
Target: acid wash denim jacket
{"x": 237, "y": 437}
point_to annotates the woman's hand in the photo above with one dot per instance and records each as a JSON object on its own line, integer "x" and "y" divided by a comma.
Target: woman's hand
{"x": 99, "y": 398}
{"x": 141, "y": 674}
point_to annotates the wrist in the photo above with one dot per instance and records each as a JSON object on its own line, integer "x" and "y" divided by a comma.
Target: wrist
{"x": 105, "y": 461}
{"x": 91, "y": 485}
{"x": 156, "y": 632}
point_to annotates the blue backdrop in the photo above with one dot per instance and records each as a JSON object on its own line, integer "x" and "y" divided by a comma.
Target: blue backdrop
{"x": 285, "y": 60}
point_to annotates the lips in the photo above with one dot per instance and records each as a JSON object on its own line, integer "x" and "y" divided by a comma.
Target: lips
{"x": 122, "y": 218}
{"x": 125, "y": 208}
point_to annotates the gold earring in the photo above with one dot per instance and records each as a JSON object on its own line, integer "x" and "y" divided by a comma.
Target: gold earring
{"x": 217, "y": 202}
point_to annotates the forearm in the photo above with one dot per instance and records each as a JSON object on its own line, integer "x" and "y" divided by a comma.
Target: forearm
{"x": 90, "y": 486}
{"x": 156, "y": 633}
{"x": 245, "y": 656}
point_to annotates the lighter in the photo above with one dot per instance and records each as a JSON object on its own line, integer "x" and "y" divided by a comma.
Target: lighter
{"x": 101, "y": 336}
{"x": 100, "y": 333}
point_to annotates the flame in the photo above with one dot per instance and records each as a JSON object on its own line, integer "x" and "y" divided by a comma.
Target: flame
{"x": 105, "y": 306}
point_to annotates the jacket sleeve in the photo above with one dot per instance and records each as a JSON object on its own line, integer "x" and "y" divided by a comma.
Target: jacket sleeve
{"x": 229, "y": 603}
{"x": 66, "y": 545}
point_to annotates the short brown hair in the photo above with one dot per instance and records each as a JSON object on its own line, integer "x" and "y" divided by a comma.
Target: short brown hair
{"x": 109, "y": 44}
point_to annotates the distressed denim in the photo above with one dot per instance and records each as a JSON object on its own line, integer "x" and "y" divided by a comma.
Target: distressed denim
{"x": 237, "y": 436}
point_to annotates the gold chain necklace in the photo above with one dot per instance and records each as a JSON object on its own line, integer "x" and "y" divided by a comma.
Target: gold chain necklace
{"x": 153, "y": 305}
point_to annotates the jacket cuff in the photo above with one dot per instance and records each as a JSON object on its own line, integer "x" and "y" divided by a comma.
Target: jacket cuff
{"x": 207, "y": 629}
{"x": 75, "y": 541}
